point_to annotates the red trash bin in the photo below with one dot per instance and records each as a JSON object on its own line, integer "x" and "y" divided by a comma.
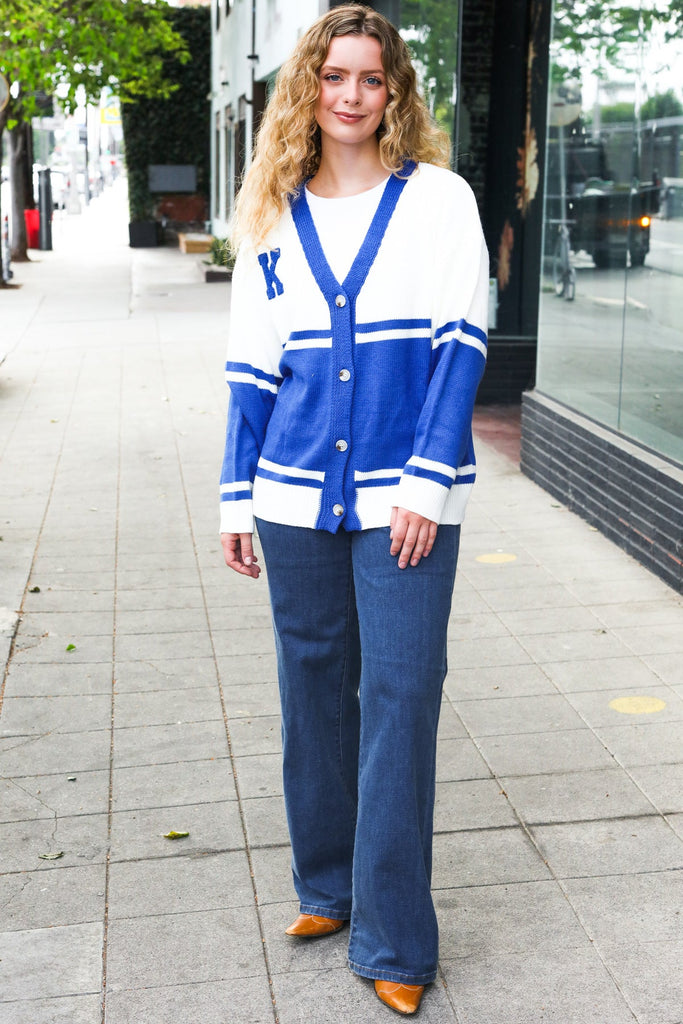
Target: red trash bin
{"x": 32, "y": 219}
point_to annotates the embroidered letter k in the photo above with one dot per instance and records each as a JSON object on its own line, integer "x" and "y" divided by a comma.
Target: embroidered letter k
{"x": 268, "y": 261}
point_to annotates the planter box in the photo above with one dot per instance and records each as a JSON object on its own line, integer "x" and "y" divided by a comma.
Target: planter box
{"x": 213, "y": 274}
{"x": 143, "y": 234}
{"x": 193, "y": 241}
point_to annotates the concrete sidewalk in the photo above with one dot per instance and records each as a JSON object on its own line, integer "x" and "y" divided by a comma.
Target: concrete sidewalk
{"x": 140, "y": 697}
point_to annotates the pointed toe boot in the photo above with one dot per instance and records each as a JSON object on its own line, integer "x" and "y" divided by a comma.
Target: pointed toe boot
{"x": 402, "y": 998}
{"x": 308, "y": 926}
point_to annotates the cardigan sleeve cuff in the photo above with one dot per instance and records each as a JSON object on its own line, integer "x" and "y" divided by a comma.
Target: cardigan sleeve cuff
{"x": 237, "y": 516}
{"x": 425, "y": 497}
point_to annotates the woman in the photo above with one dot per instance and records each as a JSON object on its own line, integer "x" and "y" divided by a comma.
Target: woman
{"x": 357, "y": 342}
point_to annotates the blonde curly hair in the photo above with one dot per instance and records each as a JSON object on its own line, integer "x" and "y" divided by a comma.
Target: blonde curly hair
{"x": 288, "y": 146}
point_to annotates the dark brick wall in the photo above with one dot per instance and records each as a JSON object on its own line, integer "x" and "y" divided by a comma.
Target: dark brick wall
{"x": 633, "y": 497}
{"x": 476, "y": 54}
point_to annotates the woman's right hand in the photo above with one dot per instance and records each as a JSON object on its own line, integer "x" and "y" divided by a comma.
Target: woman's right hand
{"x": 239, "y": 554}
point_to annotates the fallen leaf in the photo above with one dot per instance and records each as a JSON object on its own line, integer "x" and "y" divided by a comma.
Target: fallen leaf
{"x": 70, "y": 647}
{"x": 51, "y": 856}
{"x": 175, "y": 835}
{"x": 34, "y": 590}
{"x": 71, "y": 778}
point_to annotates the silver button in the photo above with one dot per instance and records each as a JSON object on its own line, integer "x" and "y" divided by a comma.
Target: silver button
{"x": 340, "y": 301}
{"x": 341, "y": 445}
{"x": 344, "y": 375}
{"x": 338, "y": 510}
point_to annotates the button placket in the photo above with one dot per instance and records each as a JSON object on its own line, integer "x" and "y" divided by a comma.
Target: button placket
{"x": 341, "y": 309}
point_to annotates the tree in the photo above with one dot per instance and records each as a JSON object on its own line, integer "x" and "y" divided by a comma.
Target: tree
{"x": 662, "y": 104}
{"x": 430, "y": 28}
{"x": 600, "y": 33}
{"x": 76, "y": 47}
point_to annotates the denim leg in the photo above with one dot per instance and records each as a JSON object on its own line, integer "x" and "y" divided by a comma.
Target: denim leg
{"x": 316, "y": 634}
{"x": 403, "y": 616}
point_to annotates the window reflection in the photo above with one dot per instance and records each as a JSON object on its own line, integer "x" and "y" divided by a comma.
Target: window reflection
{"x": 430, "y": 28}
{"x": 610, "y": 344}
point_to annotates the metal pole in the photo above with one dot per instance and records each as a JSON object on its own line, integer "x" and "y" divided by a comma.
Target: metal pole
{"x": 45, "y": 208}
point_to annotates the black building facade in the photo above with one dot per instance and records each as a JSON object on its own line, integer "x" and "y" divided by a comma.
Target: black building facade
{"x": 567, "y": 123}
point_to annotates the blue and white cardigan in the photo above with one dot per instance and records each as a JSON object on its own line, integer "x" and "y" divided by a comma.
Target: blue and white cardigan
{"x": 349, "y": 398}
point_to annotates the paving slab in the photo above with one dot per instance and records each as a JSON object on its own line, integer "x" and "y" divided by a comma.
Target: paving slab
{"x": 518, "y": 715}
{"x": 458, "y": 759}
{"x": 625, "y": 673}
{"x": 63, "y": 1010}
{"x": 140, "y": 833}
{"x": 58, "y": 680}
{"x": 491, "y": 920}
{"x": 168, "y": 706}
{"x": 32, "y": 797}
{"x": 50, "y": 962}
{"x": 256, "y": 735}
{"x": 599, "y": 795}
{"x": 80, "y": 838}
{"x": 33, "y": 900}
{"x": 172, "y": 784}
{"x": 340, "y": 997}
{"x": 544, "y": 753}
{"x": 266, "y": 822}
{"x": 628, "y": 909}
{"x": 627, "y": 846}
{"x": 485, "y": 857}
{"x": 164, "y": 674}
{"x": 542, "y": 986}
{"x": 471, "y": 804}
{"x": 55, "y": 753}
{"x": 185, "y": 883}
{"x": 185, "y": 741}
{"x": 641, "y": 744}
{"x": 188, "y": 948}
{"x": 479, "y": 683}
{"x": 238, "y": 1001}
{"x": 28, "y": 716}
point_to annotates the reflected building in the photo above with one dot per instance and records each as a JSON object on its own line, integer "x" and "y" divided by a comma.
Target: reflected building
{"x": 566, "y": 119}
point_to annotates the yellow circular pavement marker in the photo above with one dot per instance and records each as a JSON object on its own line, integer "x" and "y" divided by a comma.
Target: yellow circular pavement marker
{"x": 637, "y": 705}
{"x": 496, "y": 558}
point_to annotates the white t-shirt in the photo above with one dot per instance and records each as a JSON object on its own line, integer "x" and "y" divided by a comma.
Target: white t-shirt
{"x": 342, "y": 225}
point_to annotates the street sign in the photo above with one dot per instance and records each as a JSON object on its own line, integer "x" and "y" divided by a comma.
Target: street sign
{"x": 111, "y": 114}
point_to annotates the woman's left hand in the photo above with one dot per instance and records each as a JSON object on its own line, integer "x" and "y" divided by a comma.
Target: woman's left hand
{"x": 412, "y": 536}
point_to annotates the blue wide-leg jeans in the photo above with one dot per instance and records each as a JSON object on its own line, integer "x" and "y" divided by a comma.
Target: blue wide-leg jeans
{"x": 361, "y": 649}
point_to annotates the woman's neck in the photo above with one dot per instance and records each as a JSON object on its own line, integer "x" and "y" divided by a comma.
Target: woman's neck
{"x": 346, "y": 171}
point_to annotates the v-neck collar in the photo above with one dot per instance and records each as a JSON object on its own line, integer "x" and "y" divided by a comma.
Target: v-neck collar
{"x": 365, "y": 257}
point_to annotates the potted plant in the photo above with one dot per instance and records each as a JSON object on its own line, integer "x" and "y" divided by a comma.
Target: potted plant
{"x": 221, "y": 261}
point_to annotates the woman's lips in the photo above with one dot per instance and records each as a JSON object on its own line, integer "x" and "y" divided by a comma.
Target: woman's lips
{"x": 348, "y": 118}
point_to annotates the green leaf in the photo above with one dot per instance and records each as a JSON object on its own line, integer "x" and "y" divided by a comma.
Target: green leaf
{"x": 70, "y": 647}
{"x": 34, "y": 590}
{"x": 51, "y": 856}
{"x": 175, "y": 835}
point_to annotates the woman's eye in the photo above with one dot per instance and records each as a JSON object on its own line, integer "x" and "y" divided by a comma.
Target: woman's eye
{"x": 333, "y": 77}
{"x": 373, "y": 80}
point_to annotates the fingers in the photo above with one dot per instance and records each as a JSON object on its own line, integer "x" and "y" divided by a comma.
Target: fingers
{"x": 238, "y": 552}
{"x": 412, "y": 536}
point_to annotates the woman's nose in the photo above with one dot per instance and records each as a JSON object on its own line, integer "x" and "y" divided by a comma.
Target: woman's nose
{"x": 352, "y": 94}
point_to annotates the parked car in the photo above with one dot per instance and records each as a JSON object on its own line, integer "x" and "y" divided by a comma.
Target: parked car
{"x": 609, "y": 222}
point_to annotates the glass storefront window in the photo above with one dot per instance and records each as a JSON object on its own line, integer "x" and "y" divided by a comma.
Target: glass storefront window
{"x": 610, "y": 335}
{"x": 430, "y": 28}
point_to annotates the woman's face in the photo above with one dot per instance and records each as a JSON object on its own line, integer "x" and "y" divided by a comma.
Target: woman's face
{"x": 353, "y": 90}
